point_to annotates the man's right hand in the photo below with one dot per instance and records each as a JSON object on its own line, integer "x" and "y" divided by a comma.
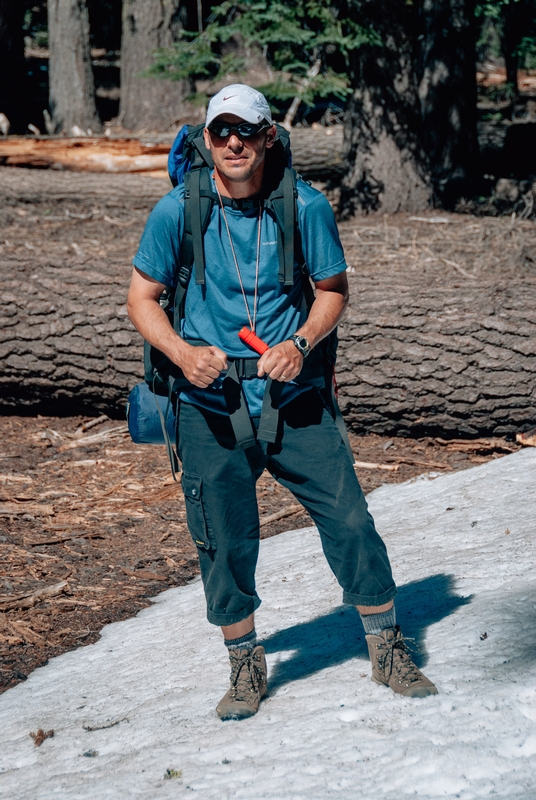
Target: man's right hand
{"x": 201, "y": 365}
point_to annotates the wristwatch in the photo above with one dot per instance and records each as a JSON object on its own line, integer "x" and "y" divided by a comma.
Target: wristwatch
{"x": 302, "y": 344}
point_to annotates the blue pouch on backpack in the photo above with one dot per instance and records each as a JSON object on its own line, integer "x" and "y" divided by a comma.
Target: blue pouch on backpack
{"x": 144, "y": 418}
{"x": 178, "y": 161}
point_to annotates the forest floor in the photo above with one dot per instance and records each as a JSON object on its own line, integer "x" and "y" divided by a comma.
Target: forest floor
{"x": 99, "y": 523}
{"x": 91, "y": 525}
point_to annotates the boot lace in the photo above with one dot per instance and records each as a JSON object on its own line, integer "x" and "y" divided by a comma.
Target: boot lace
{"x": 246, "y": 677}
{"x": 396, "y": 657}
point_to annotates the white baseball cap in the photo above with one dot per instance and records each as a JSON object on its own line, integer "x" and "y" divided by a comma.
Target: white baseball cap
{"x": 241, "y": 100}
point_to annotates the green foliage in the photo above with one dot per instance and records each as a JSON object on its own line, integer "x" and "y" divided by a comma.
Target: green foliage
{"x": 297, "y": 39}
{"x": 527, "y": 52}
{"x": 493, "y": 8}
{"x": 35, "y": 25}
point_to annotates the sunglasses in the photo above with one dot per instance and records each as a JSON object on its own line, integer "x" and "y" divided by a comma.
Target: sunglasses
{"x": 245, "y": 130}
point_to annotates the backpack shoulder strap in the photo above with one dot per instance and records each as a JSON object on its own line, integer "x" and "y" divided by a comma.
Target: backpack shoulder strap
{"x": 198, "y": 201}
{"x": 283, "y": 203}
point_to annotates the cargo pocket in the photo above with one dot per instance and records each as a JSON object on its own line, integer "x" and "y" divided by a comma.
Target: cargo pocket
{"x": 196, "y": 516}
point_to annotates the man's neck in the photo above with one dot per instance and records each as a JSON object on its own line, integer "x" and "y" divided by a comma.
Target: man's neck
{"x": 239, "y": 190}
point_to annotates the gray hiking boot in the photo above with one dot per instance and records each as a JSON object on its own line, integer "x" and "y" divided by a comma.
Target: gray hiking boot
{"x": 392, "y": 665}
{"x": 248, "y": 684}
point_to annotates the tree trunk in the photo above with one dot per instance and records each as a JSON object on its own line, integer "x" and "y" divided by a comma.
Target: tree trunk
{"x": 385, "y": 163}
{"x": 13, "y": 93}
{"x": 151, "y": 103}
{"x": 447, "y": 92}
{"x": 72, "y": 89}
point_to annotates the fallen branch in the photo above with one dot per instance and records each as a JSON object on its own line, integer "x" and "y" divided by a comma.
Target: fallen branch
{"x": 143, "y": 574}
{"x": 414, "y": 462}
{"x": 15, "y": 508}
{"x": 285, "y": 512}
{"x": 91, "y": 424}
{"x": 470, "y": 445}
{"x": 95, "y": 438}
{"x": 30, "y": 600}
{"x": 104, "y": 727}
{"x": 67, "y": 538}
{"x": 374, "y": 465}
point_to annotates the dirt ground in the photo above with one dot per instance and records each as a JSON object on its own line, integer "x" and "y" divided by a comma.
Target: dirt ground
{"x": 91, "y": 525}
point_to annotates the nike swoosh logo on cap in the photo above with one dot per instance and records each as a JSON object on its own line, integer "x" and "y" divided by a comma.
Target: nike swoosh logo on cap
{"x": 231, "y": 95}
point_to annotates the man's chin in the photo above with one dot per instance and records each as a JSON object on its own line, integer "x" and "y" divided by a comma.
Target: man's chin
{"x": 238, "y": 174}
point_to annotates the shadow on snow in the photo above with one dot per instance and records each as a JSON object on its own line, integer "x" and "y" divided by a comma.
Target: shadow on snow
{"x": 338, "y": 637}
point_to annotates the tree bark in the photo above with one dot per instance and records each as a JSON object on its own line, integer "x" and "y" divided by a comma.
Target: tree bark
{"x": 151, "y": 103}
{"x": 385, "y": 163}
{"x": 72, "y": 89}
{"x": 447, "y": 92}
{"x": 13, "y": 97}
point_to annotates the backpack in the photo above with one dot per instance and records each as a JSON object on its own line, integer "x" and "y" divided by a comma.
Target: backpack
{"x": 190, "y": 163}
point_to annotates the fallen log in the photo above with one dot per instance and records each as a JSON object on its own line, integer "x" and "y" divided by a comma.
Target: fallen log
{"x": 420, "y": 353}
{"x": 316, "y": 153}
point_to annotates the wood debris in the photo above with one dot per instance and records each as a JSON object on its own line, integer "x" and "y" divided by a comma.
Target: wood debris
{"x": 143, "y": 574}
{"x": 15, "y": 507}
{"x": 41, "y": 735}
{"x": 96, "y": 438}
{"x": 29, "y": 600}
{"x": 67, "y": 538}
{"x": 285, "y": 512}
{"x": 374, "y": 465}
{"x": 477, "y": 445}
{"x": 527, "y": 439}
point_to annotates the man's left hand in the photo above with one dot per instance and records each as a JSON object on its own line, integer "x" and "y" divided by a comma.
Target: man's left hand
{"x": 281, "y": 363}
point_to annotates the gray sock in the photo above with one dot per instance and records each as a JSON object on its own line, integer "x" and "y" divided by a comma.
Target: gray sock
{"x": 247, "y": 642}
{"x": 376, "y": 623}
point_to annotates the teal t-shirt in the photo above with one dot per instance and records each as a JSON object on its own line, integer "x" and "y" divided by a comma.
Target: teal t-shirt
{"x": 215, "y": 311}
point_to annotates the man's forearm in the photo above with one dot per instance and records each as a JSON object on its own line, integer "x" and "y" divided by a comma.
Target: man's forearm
{"x": 200, "y": 365}
{"x": 150, "y": 319}
{"x": 325, "y": 314}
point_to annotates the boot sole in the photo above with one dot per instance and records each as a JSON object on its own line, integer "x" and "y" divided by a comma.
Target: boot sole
{"x": 422, "y": 691}
{"x": 234, "y": 715}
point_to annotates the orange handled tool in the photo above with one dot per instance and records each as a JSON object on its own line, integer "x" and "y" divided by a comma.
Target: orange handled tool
{"x": 253, "y": 341}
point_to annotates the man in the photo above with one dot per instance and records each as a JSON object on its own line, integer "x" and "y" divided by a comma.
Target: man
{"x": 308, "y": 457}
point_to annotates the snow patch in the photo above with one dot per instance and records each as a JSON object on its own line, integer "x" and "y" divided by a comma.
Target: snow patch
{"x": 466, "y": 597}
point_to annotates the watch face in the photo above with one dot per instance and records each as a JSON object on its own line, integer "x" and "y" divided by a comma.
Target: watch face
{"x": 302, "y": 344}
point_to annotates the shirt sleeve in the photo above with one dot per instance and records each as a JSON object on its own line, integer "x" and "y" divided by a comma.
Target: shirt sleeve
{"x": 322, "y": 248}
{"x": 159, "y": 250}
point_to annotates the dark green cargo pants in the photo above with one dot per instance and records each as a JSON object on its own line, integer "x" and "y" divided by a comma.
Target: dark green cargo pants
{"x": 310, "y": 459}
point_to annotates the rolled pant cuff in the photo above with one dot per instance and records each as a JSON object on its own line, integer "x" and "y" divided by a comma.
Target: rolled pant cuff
{"x": 232, "y": 619}
{"x": 366, "y": 600}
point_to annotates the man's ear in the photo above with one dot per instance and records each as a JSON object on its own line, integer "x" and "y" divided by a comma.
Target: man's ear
{"x": 206, "y": 137}
{"x": 270, "y": 136}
